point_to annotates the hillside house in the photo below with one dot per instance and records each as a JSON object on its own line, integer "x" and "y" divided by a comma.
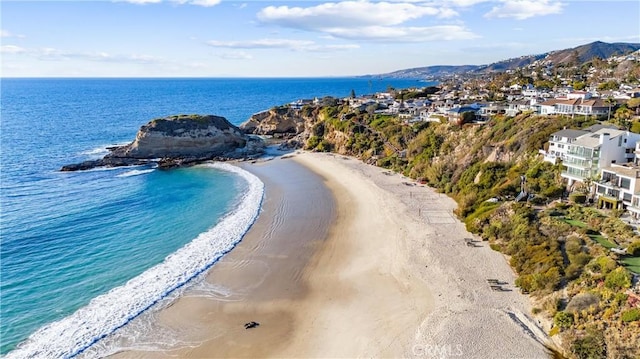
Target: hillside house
{"x": 575, "y": 106}
{"x": 591, "y": 152}
{"x": 617, "y": 186}
{"x": 559, "y": 144}
{"x": 456, "y": 114}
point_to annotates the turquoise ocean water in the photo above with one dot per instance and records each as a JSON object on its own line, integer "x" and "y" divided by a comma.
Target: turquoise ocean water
{"x": 73, "y": 243}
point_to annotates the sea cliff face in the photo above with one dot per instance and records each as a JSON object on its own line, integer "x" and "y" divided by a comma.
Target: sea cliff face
{"x": 276, "y": 121}
{"x": 295, "y": 126}
{"x": 179, "y": 140}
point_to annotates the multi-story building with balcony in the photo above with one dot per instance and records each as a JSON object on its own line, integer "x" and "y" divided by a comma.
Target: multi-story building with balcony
{"x": 559, "y": 144}
{"x": 596, "y": 107}
{"x": 618, "y": 185}
{"x": 591, "y": 152}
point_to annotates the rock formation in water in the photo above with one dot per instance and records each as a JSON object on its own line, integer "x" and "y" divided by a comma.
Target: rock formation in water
{"x": 178, "y": 140}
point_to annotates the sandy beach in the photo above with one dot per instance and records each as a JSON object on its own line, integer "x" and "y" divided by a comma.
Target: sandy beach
{"x": 349, "y": 260}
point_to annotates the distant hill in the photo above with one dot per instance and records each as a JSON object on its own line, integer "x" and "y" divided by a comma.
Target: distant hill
{"x": 580, "y": 54}
{"x": 429, "y": 71}
{"x": 510, "y": 64}
{"x": 587, "y": 52}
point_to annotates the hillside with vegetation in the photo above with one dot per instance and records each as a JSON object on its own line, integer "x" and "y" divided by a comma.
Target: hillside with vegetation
{"x": 575, "y": 56}
{"x": 577, "y": 263}
{"x": 558, "y": 248}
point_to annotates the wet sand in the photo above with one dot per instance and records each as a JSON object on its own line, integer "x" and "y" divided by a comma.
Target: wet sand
{"x": 348, "y": 260}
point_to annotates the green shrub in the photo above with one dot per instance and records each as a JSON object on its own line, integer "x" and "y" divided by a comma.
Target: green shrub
{"x": 603, "y": 264}
{"x": 634, "y": 249}
{"x": 495, "y": 247}
{"x": 590, "y": 346}
{"x": 563, "y": 320}
{"x": 324, "y": 146}
{"x": 619, "y": 278}
{"x": 313, "y": 142}
{"x": 630, "y": 315}
{"x": 536, "y": 310}
{"x": 578, "y": 197}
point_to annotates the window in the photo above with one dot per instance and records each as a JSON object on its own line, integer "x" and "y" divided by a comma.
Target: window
{"x": 625, "y": 183}
{"x": 626, "y": 197}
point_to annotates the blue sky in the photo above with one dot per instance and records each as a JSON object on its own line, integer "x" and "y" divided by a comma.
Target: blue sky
{"x": 280, "y": 38}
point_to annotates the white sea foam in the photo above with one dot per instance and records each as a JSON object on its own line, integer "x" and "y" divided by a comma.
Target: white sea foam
{"x": 101, "y": 150}
{"x": 135, "y": 173}
{"x": 108, "y": 312}
{"x": 96, "y": 152}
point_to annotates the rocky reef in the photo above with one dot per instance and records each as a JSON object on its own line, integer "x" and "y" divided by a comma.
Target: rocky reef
{"x": 180, "y": 140}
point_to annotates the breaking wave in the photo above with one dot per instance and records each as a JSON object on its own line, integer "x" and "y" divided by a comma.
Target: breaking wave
{"x": 111, "y": 311}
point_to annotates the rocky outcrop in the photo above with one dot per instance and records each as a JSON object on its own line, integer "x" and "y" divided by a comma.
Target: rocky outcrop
{"x": 178, "y": 140}
{"x": 292, "y": 126}
{"x": 280, "y": 121}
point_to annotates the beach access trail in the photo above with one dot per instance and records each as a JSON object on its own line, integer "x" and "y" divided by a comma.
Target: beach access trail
{"x": 370, "y": 264}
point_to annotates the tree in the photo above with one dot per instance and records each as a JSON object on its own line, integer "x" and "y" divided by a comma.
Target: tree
{"x": 353, "y": 93}
{"x": 579, "y": 85}
{"x": 622, "y": 117}
{"x": 609, "y": 85}
{"x": 467, "y": 117}
{"x": 611, "y": 102}
{"x": 634, "y": 105}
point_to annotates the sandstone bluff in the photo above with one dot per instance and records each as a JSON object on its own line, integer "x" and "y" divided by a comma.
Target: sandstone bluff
{"x": 179, "y": 140}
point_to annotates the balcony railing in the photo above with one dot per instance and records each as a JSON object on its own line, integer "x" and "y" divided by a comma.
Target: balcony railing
{"x": 581, "y": 152}
{"x": 576, "y": 162}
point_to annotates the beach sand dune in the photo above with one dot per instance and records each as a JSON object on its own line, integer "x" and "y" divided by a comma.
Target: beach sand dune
{"x": 353, "y": 261}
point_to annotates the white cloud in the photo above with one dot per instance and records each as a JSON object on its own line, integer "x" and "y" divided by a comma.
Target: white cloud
{"x": 347, "y": 14}
{"x": 262, "y": 44}
{"x": 524, "y": 9}
{"x": 12, "y": 49}
{"x": 366, "y": 20}
{"x": 295, "y": 45}
{"x": 406, "y": 34}
{"x": 53, "y": 54}
{"x": 140, "y": 2}
{"x": 205, "y": 3}
{"x": 7, "y": 34}
{"x": 235, "y": 55}
{"x": 465, "y": 3}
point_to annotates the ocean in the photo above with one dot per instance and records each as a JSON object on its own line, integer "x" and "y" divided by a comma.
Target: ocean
{"x": 83, "y": 253}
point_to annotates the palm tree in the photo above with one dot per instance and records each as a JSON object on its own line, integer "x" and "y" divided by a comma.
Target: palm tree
{"x": 611, "y": 102}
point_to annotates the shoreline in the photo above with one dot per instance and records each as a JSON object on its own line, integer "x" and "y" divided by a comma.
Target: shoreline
{"x": 392, "y": 277}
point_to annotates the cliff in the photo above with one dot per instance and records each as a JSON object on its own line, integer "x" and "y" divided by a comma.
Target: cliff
{"x": 178, "y": 140}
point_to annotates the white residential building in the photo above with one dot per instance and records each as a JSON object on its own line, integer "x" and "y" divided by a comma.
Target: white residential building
{"x": 559, "y": 144}
{"x": 591, "y": 152}
{"x": 618, "y": 185}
